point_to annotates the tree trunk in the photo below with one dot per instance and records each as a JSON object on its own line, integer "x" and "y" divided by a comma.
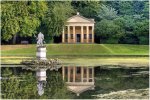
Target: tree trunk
{"x": 99, "y": 40}
{"x": 14, "y": 39}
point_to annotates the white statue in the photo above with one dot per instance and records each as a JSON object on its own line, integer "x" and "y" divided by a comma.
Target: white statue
{"x": 40, "y": 39}
{"x": 40, "y": 88}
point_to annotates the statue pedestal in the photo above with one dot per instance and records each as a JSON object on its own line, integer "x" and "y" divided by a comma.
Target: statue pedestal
{"x": 41, "y": 53}
{"x": 41, "y": 75}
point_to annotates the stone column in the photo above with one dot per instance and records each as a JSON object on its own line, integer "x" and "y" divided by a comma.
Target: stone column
{"x": 92, "y": 34}
{"x": 82, "y": 34}
{"x": 87, "y": 73}
{"x": 63, "y": 36}
{"x": 68, "y": 34}
{"x": 63, "y": 72}
{"x": 74, "y": 74}
{"x": 68, "y": 74}
{"x": 93, "y": 74}
{"x": 87, "y": 32}
{"x": 82, "y": 74}
{"x": 74, "y": 35}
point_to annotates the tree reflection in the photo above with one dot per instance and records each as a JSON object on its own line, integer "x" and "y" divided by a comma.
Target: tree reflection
{"x": 23, "y": 85}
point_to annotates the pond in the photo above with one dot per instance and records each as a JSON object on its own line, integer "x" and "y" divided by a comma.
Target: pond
{"x": 106, "y": 82}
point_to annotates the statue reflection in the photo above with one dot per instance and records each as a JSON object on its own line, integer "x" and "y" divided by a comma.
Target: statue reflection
{"x": 78, "y": 79}
{"x": 41, "y": 78}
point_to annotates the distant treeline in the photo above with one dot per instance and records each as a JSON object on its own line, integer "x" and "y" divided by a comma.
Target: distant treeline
{"x": 116, "y": 21}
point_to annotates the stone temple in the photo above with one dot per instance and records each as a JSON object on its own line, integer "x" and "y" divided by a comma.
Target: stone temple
{"x": 78, "y": 29}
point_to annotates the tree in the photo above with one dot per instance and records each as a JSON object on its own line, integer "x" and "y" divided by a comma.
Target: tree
{"x": 25, "y": 18}
{"x": 130, "y": 8}
{"x": 56, "y": 18}
{"x": 120, "y": 21}
{"x": 10, "y": 24}
{"x": 129, "y": 37}
{"x": 129, "y": 23}
{"x": 56, "y": 87}
{"x": 141, "y": 29}
{"x": 145, "y": 11}
{"x": 21, "y": 18}
{"x": 110, "y": 28}
{"x": 113, "y": 4}
{"x": 108, "y": 31}
{"x": 107, "y": 12}
{"x": 23, "y": 85}
{"x": 88, "y": 9}
{"x": 138, "y": 7}
{"x": 19, "y": 85}
{"x": 126, "y": 8}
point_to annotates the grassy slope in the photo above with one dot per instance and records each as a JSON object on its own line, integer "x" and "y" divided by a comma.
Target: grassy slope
{"x": 93, "y": 52}
{"x": 76, "y": 49}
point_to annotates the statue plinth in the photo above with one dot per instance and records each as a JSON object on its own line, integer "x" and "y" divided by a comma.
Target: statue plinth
{"x": 41, "y": 75}
{"x": 41, "y": 52}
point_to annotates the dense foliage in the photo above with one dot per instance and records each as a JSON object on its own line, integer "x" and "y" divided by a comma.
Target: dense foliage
{"x": 123, "y": 22}
{"x": 21, "y": 18}
{"x": 116, "y": 21}
{"x": 22, "y": 84}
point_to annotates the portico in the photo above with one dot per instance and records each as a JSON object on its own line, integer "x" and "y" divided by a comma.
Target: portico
{"x": 78, "y": 29}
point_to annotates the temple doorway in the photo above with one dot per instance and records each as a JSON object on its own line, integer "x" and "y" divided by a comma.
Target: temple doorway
{"x": 78, "y": 38}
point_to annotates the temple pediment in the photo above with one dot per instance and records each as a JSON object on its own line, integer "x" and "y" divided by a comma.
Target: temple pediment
{"x": 79, "y": 18}
{"x": 80, "y": 89}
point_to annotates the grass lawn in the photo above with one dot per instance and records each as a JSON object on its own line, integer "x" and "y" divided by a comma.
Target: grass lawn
{"x": 76, "y": 50}
{"x": 91, "y": 61}
{"x": 81, "y": 54}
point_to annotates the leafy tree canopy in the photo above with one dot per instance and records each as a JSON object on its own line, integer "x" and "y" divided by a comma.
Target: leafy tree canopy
{"x": 56, "y": 17}
{"x": 21, "y": 18}
{"x": 107, "y": 12}
{"x": 88, "y": 9}
{"x": 27, "y": 18}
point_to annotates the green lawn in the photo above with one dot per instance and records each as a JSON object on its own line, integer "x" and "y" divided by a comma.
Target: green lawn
{"x": 81, "y": 54}
{"x": 77, "y": 50}
{"x": 92, "y": 61}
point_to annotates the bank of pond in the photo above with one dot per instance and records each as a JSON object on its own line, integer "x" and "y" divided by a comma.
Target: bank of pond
{"x": 71, "y": 82}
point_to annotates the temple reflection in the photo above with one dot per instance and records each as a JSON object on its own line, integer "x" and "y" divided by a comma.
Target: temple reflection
{"x": 78, "y": 79}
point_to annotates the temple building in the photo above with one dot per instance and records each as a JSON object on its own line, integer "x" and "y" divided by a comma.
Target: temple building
{"x": 78, "y": 79}
{"x": 78, "y": 29}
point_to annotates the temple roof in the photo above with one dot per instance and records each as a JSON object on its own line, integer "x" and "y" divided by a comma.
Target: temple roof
{"x": 79, "y": 18}
{"x": 79, "y": 87}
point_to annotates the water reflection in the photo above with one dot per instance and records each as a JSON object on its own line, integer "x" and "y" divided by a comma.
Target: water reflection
{"x": 78, "y": 79}
{"x": 41, "y": 78}
{"x": 90, "y": 82}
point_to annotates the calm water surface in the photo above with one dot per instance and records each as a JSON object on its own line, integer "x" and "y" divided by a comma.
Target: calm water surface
{"x": 110, "y": 82}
